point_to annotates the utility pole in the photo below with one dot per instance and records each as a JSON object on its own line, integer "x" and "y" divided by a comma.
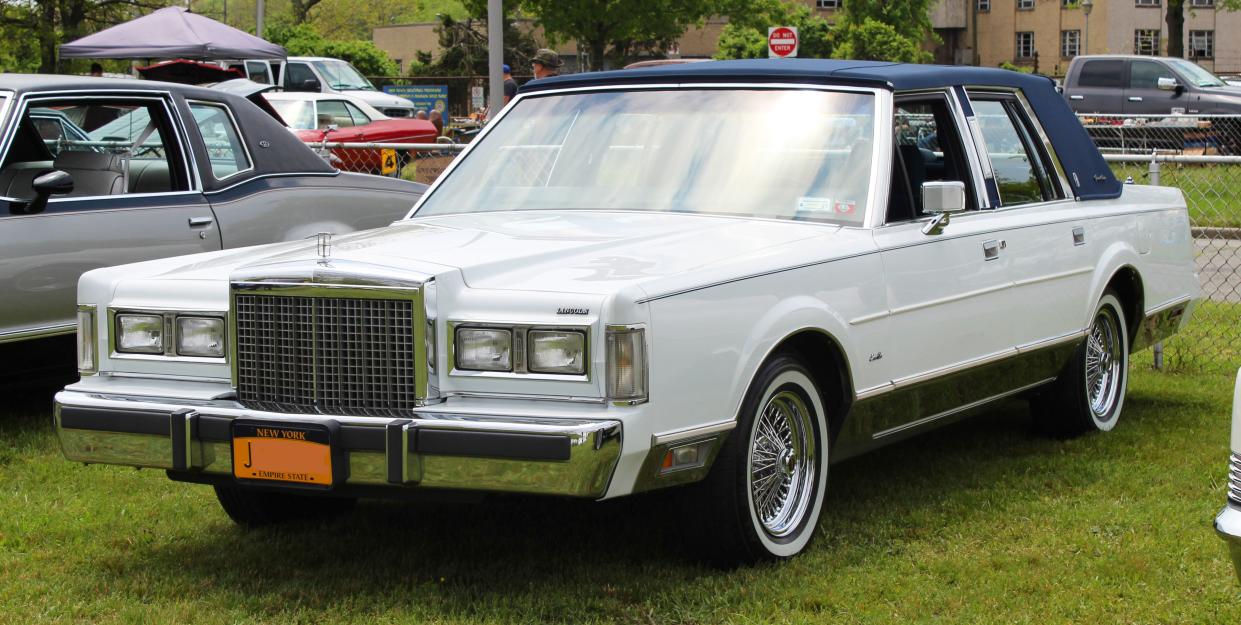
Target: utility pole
{"x": 259, "y": 10}
{"x": 495, "y": 57}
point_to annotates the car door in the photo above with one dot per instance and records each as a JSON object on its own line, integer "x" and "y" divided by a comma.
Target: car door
{"x": 1100, "y": 87}
{"x": 1048, "y": 239}
{"x": 948, "y": 293}
{"x": 135, "y": 198}
{"x": 1142, "y": 93}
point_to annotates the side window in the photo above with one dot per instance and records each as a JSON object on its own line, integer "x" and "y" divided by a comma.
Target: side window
{"x": 333, "y": 112}
{"x": 1146, "y": 74}
{"x": 109, "y": 147}
{"x": 1102, "y": 74}
{"x": 296, "y": 74}
{"x": 927, "y": 149}
{"x": 359, "y": 118}
{"x": 257, "y": 71}
{"x": 1021, "y": 175}
{"x": 225, "y": 149}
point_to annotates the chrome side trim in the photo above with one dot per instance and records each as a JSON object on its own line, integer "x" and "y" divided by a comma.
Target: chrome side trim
{"x": 1051, "y": 342}
{"x": 871, "y": 317}
{"x": 166, "y": 376}
{"x": 527, "y": 397}
{"x": 959, "y": 409}
{"x": 951, "y": 298}
{"x": 1169, "y": 304}
{"x": 1054, "y": 276}
{"x": 35, "y": 333}
{"x": 690, "y": 433}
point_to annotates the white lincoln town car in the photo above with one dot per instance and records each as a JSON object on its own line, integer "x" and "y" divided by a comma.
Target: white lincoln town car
{"x": 722, "y": 277}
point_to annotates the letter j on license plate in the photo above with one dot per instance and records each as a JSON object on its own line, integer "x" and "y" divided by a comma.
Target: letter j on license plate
{"x": 293, "y": 453}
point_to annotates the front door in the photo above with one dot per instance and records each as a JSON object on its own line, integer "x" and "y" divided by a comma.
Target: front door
{"x": 1143, "y": 95}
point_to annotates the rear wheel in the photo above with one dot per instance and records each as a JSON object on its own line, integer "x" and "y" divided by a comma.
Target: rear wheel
{"x": 255, "y": 508}
{"x": 764, "y": 495}
{"x": 1090, "y": 392}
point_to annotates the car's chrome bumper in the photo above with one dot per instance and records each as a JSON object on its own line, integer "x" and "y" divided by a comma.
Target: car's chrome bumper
{"x": 1228, "y": 527}
{"x": 572, "y": 457}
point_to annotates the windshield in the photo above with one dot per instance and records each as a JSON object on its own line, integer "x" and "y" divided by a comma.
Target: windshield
{"x": 1196, "y": 74}
{"x": 341, "y": 75}
{"x": 298, "y": 114}
{"x": 778, "y": 153}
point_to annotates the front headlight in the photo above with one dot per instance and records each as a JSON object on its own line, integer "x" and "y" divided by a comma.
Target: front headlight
{"x": 200, "y": 336}
{"x": 557, "y": 351}
{"x": 140, "y": 334}
{"x": 484, "y": 349}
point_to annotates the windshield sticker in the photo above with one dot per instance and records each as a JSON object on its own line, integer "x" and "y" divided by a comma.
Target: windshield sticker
{"x": 845, "y": 207}
{"x": 814, "y": 204}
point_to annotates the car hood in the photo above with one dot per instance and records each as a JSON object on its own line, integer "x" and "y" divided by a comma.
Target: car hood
{"x": 557, "y": 251}
{"x": 379, "y": 98}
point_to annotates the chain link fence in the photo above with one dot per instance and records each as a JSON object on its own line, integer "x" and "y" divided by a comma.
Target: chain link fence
{"x": 1201, "y": 156}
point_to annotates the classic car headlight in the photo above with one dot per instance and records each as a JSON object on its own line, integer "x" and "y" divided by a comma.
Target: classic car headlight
{"x": 557, "y": 351}
{"x": 484, "y": 349}
{"x": 140, "y": 334}
{"x": 200, "y": 336}
{"x": 86, "y": 340}
{"x": 626, "y": 364}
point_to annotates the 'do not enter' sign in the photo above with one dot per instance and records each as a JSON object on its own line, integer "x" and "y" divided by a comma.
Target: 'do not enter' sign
{"x": 781, "y": 42}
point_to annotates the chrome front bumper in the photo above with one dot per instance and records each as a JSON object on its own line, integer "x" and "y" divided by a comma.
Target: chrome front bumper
{"x": 1228, "y": 527}
{"x": 433, "y": 449}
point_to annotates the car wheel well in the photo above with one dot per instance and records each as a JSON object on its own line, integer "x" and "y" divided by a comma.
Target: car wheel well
{"x": 822, "y": 355}
{"x": 1128, "y": 287}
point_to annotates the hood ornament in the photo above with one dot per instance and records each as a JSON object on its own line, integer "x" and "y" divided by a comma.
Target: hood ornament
{"x": 324, "y": 244}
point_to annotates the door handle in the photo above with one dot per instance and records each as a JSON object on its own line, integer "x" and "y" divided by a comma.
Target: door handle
{"x": 991, "y": 249}
{"x": 1077, "y": 97}
{"x": 199, "y": 222}
{"x": 1079, "y": 236}
{"x": 1135, "y": 98}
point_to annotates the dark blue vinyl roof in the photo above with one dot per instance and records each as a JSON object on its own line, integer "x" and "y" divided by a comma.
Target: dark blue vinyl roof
{"x": 1089, "y": 175}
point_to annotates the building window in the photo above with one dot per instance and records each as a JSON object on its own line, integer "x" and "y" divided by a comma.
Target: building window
{"x": 1202, "y": 4}
{"x": 1025, "y": 45}
{"x": 1147, "y": 3}
{"x": 1146, "y": 41}
{"x": 1070, "y": 4}
{"x": 1201, "y": 44}
{"x": 1025, "y": 5}
{"x": 829, "y": 4}
{"x": 984, "y": 6}
{"x": 1070, "y": 43}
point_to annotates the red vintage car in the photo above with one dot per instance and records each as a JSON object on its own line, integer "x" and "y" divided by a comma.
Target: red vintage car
{"x": 339, "y": 118}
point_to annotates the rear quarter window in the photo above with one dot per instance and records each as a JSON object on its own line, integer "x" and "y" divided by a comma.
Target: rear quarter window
{"x": 1101, "y": 74}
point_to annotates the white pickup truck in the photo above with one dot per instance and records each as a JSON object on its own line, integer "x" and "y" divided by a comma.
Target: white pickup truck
{"x": 322, "y": 75}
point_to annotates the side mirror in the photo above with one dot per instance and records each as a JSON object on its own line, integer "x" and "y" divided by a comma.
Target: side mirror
{"x": 942, "y": 198}
{"x": 1170, "y": 84}
{"x": 311, "y": 85}
{"x": 52, "y": 183}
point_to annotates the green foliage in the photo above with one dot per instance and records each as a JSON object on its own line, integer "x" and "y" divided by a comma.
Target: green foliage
{"x": 745, "y": 35}
{"x": 872, "y": 40}
{"x": 909, "y": 18}
{"x": 616, "y": 30}
{"x": 465, "y": 50}
{"x": 1016, "y": 68}
{"x": 304, "y": 40}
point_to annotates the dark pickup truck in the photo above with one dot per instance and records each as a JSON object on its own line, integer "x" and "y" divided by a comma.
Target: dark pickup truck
{"x": 1146, "y": 85}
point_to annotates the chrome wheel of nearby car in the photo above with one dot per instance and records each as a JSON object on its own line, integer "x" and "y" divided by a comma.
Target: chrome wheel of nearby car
{"x": 1103, "y": 362}
{"x": 1089, "y": 393}
{"x": 781, "y": 463}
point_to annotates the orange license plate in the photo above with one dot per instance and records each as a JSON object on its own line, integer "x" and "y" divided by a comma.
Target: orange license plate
{"x": 299, "y": 454}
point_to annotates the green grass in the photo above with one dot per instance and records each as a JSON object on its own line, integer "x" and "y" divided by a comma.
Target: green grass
{"x": 1211, "y": 341}
{"x": 1212, "y": 192}
{"x": 981, "y": 522}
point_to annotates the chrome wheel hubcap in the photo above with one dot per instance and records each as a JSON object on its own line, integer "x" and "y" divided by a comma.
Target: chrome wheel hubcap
{"x": 782, "y": 463}
{"x": 1103, "y": 363}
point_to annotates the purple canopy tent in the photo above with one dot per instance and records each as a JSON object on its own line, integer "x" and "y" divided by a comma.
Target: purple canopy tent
{"x": 172, "y": 33}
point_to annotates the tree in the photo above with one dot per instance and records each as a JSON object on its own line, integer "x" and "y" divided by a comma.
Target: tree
{"x": 618, "y": 29}
{"x": 304, "y": 40}
{"x": 873, "y": 40}
{"x": 52, "y": 22}
{"x": 1175, "y": 19}
{"x": 908, "y": 18}
{"x": 465, "y": 49}
{"x": 745, "y": 35}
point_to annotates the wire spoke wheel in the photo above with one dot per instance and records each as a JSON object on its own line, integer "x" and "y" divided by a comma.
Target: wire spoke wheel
{"x": 1103, "y": 364}
{"x": 782, "y": 461}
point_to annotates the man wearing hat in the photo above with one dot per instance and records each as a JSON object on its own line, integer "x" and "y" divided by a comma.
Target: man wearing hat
{"x": 546, "y": 63}
{"x": 510, "y": 85}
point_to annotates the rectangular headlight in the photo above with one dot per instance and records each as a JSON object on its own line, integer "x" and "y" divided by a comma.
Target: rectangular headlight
{"x": 627, "y": 364}
{"x": 557, "y": 351}
{"x": 200, "y": 336}
{"x": 140, "y": 334}
{"x": 86, "y": 340}
{"x": 484, "y": 349}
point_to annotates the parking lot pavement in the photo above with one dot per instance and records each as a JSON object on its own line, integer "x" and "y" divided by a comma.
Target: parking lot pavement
{"x": 1219, "y": 269}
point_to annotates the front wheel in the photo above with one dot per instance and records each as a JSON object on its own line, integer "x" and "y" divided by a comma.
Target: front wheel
{"x": 763, "y": 497}
{"x": 1090, "y": 391}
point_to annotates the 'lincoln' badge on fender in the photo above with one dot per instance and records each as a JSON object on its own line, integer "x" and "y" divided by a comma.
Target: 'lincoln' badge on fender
{"x": 564, "y": 310}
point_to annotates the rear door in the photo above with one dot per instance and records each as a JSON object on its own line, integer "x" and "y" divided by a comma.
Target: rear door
{"x": 135, "y": 198}
{"x": 1100, "y": 87}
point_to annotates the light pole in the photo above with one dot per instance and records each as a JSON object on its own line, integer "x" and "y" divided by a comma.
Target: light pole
{"x": 1087, "y": 5}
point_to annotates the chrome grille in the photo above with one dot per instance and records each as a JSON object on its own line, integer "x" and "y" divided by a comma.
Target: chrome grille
{"x": 1234, "y": 478}
{"x": 326, "y": 355}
